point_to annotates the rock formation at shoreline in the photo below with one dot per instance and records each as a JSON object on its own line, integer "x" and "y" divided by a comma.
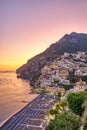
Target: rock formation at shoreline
{"x": 70, "y": 43}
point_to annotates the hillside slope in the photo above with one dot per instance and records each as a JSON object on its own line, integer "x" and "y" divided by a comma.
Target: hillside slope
{"x": 70, "y": 43}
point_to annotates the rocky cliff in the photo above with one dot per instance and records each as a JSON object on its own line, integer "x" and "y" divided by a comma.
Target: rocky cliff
{"x": 70, "y": 43}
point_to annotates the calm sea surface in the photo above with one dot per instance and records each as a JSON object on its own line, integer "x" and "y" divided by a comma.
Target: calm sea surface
{"x": 14, "y": 95}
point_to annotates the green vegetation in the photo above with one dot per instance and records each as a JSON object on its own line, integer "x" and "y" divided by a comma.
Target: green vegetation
{"x": 53, "y": 111}
{"x": 59, "y": 106}
{"x": 67, "y": 87}
{"x": 63, "y": 104}
{"x": 59, "y": 94}
{"x": 84, "y": 78}
{"x": 59, "y": 99}
{"x": 75, "y": 101}
{"x": 73, "y": 79}
{"x": 84, "y": 115}
{"x": 56, "y": 82}
{"x": 70, "y": 120}
{"x": 64, "y": 121}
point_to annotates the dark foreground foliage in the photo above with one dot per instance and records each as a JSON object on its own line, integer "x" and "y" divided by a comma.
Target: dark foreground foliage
{"x": 65, "y": 121}
{"x": 75, "y": 101}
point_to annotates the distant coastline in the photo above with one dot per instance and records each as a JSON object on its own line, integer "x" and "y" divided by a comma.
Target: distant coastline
{"x": 7, "y": 71}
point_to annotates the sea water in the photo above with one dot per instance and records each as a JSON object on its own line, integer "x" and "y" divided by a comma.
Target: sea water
{"x": 14, "y": 95}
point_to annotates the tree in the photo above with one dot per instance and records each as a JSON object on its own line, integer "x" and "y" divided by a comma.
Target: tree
{"x": 84, "y": 78}
{"x": 59, "y": 94}
{"x": 58, "y": 106}
{"x": 73, "y": 80}
{"x": 59, "y": 98}
{"x": 67, "y": 87}
{"x": 75, "y": 101}
{"x": 53, "y": 111}
{"x": 84, "y": 116}
{"x": 64, "y": 121}
{"x": 63, "y": 104}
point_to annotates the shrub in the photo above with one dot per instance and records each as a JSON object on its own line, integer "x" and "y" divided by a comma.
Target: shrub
{"x": 63, "y": 104}
{"x": 75, "y": 101}
{"x": 59, "y": 94}
{"x": 53, "y": 111}
{"x": 67, "y": 87}
{"x": 65, "y": 121}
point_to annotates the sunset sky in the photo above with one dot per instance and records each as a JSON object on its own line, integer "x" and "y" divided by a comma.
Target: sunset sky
{"x": 28, "y": 27}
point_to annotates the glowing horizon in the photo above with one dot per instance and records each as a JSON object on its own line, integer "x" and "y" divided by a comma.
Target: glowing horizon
{"x": 28, "y": 27}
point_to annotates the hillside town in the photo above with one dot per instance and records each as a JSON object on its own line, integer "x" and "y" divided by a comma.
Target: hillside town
{"x": 60, "y": 80}
{"x": 68, "y": 70}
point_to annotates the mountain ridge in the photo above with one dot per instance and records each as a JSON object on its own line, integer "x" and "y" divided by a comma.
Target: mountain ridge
{"x": 69, "y": 43}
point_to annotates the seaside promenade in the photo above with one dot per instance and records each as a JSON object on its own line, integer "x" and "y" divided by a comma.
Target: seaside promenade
{"x": 31, "y": 117}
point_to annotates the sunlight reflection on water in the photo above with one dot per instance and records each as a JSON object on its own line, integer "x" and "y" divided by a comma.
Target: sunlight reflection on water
{"x": 13, "y": 91}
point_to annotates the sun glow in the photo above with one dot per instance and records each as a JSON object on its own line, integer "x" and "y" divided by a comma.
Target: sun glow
{"x": 29, "y": 27}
